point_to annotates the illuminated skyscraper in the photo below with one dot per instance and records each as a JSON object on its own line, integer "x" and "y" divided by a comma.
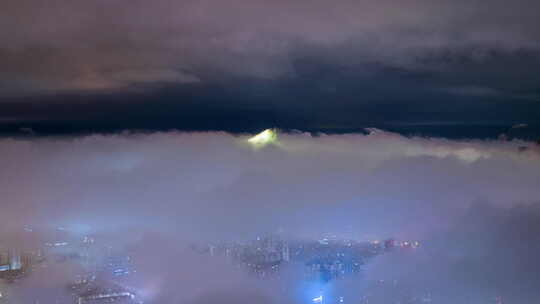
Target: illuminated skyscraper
{"x": 14, "y": 260}
{"x": 285, "y": 253}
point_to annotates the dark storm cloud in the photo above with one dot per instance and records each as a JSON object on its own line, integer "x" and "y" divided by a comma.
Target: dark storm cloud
{"x": 117, "y": 45}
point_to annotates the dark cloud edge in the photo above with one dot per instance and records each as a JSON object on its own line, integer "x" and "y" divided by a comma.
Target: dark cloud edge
{"x": 457, "y": 130}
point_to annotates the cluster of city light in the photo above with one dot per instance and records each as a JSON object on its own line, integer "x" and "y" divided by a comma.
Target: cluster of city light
{"x": 106, "y": 296}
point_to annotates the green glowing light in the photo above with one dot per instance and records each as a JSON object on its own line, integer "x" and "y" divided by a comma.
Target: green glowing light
{"x": 264, "y": 138}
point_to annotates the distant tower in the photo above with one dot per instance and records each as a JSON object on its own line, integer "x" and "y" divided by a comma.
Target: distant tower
{"x": 389, "y": 244}
{"x": 14, "y": 260}
{"x": 4, "y": 260}
{"x": 4, "y": 257}
{"x": 285, "y": 253}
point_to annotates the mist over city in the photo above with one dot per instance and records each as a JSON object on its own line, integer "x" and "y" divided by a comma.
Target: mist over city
{"x": 270, "y": 152}
{"x": 190, "y": 217}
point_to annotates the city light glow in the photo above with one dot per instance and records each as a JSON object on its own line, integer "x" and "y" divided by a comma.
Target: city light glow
{"x": 264, "y": 138}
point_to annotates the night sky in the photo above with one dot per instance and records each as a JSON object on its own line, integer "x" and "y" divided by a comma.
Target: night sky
{"x": 443, "y": 68}
{"x": 132, "y": 122}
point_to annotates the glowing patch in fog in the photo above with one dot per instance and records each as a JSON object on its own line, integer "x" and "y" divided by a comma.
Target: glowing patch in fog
{"x": 318, "y": 299}
{"x": 264, "y": 138}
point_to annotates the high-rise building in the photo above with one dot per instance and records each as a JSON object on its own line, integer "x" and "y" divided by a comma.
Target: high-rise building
{"x": 285, "y": 252}
{"x": 15, "y": 260}
{"x": 4, "y": 257}
{"x": 389, "y": 244}
{"x": 117, "y": 265}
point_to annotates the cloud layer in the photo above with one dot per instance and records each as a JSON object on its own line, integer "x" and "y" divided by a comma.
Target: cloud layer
{"x": 473, "y": 204}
